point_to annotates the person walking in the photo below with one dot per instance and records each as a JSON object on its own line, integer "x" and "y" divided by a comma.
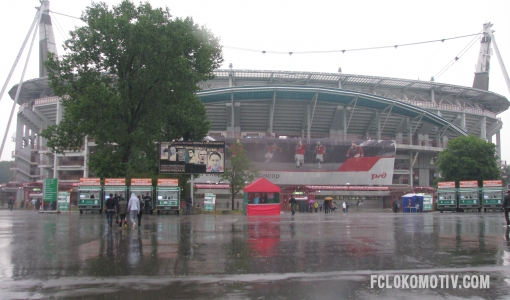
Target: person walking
{"x": 116, "y": 199}
{"x": 147, "y": 202}
{"x": 10, "y": 203}
{"x": 140, "y": 212}
{"x": 122, "y": 211}
{"x": 189, "y": 201}
{"x": 346, "y": 206}
{"x": 506, "y": 206}
{"x": 133, "y": 208}
{"x": 292, "y": 204}
{"x": 316, "y": 206}
{"x": 110, "y": 207}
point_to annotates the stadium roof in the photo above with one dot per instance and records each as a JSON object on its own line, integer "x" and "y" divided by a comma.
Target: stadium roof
{"x": 293, "y": 105}
{"x": 38, "y": 87}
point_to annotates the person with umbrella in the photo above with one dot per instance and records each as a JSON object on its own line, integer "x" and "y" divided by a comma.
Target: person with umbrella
{"x": 327, "y": 204}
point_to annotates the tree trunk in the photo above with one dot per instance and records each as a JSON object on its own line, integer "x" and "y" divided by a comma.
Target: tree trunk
{"x": 233, "y": 197}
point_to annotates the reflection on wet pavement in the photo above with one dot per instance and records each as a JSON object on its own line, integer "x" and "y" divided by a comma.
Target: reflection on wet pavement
{"x": 306, "y": 256}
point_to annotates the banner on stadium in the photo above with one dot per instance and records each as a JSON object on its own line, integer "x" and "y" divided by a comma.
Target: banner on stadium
{"x": 318, "y": 161}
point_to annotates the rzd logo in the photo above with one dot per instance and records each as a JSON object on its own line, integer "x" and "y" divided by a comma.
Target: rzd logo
{"x": 383, "y": 175}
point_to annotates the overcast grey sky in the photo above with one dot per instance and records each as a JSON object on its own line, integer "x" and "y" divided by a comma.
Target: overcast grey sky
{"x": 299, "y": 26}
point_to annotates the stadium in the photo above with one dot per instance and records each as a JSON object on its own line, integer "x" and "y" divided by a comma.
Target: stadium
{"x": 263, "y": 108}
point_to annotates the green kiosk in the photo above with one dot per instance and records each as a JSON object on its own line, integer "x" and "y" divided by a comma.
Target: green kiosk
{"x": 89, "y": 195}
{"x": 143, "y": 187}
{"x": 446, "y": 196}
{"x": 492, "y": 195}
{"x": 115, "y": 186}
{"x": 469, "y": 195}
{"x": 168, "y": 195}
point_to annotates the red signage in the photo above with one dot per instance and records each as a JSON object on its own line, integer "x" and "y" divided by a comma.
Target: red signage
{"x": 90, "y": 181}
{"x": 115, "y": 181}
{"x": 168, "y": 182}
{"x": 141, "y": 181}
{"x": 212, "y": 186}
{"x": 468, "y": 184}
{"x": 348, "y": 188}
{"x": 496, "y": 183}
{"x": 446, "y": 185}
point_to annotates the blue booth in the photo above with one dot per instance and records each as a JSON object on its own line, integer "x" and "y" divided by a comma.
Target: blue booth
{"x": 412, "y": 203}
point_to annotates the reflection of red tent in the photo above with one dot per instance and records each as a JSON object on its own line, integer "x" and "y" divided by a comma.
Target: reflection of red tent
{"x": 262, "y": 186}
{"x": 263, "y": 237}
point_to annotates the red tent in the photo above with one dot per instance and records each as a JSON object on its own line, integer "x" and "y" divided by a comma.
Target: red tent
{"x": 261, "y": 185}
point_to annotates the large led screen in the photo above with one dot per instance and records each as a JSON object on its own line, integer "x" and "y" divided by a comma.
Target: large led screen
{"x": 192, "y": 157}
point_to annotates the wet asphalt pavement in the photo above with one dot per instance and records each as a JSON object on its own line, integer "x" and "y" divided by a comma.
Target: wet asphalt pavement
{"x": 306, "y": 256}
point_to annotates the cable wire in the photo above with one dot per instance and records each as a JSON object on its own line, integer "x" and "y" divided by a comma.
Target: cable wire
{"x": 67, "y": 15}
{"x": 348, "y": 50}
{"x": 454, "y": 60}
{"x": 60, "y": 29}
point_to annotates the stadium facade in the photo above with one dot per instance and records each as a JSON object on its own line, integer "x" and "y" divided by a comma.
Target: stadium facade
{"x": 263, "y": 108}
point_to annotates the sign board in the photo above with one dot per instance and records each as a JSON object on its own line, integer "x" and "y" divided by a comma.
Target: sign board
{"x": 468, "y": 184}
{"x": 446, "y": 185}
{"x": 427, "y": 202}
{"x": 90, "y": 181}
{"x": 196, "y": 157}
{"x": 114, "y": 181}
{"x": 316, "y": 162}
{"x": 63, "y": 201}
{"x": 50, "y": 189}
{"x": 141, "y": 181}
{"x": 496, "y": 183}
{"x": 209, "y": 201}
{"x": 168, "y": 182}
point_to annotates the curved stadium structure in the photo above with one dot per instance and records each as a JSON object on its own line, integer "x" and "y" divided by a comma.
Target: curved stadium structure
{"x": 266, "y": 106}
{"x": 277, "y": 107}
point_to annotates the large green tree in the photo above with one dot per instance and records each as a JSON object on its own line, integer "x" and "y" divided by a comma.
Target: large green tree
{"x": 129, "y": 80}
{"x": 5, "y": 171}
{"x": 468, "y": 158}
{"x": 239, "y": 169}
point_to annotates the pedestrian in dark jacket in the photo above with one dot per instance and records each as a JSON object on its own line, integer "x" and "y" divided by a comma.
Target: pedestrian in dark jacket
{"x": 292, "y": 204}
{"x": 122, "y": 211}
{"x": 140, "y": 213}
{"x": 506, "y": 206}
{"x": 110, "y": 208}
{"x": 188, "y": 205}
{"x": 10, "y": 203}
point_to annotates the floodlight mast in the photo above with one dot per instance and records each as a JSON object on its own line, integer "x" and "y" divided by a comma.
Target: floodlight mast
{"x": 482, "y": 69}
{"x": 500, "y": 60}
{"x": 42, "y": 23}
{"x": 36, "y": 19}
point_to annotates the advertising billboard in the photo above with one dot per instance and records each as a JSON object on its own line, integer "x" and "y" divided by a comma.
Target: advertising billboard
{"x": 192, "y": 157}
{"x": 318, "y": 161}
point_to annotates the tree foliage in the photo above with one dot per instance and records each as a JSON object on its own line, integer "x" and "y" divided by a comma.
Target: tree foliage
{"x": 128, "y": 81}
{"x": 505, "y": 171}
{"x": 468, "y": 158}
{"x": 239, "y": 170}
{"x": 5, "y": 171}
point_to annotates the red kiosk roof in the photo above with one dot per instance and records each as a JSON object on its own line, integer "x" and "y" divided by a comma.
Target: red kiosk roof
{"x": 262, "y": 185}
